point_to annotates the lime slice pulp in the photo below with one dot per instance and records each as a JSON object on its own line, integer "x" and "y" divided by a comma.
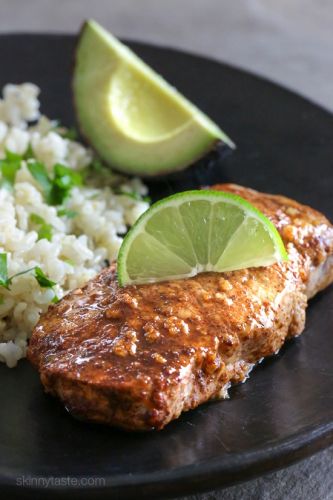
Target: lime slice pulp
{"x": 197, "y": 231}
{"x": 136, "y": 121}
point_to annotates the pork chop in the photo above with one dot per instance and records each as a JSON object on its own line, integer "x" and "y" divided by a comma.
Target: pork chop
{"x": 136, "y": 357}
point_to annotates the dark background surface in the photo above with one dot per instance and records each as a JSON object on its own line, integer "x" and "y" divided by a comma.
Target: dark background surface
{"x": 285, "y": 411}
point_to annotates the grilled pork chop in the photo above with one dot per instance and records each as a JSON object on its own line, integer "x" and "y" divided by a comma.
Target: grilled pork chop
{"x": 137, "y": 357}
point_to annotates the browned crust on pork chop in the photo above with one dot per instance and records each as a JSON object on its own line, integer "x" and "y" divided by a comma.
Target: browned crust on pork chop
{"x": 137, "y": 357}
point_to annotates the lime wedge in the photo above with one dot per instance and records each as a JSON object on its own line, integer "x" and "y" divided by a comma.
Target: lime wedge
{"x": 197, "y": 231}
{"x": 135, "y": 120}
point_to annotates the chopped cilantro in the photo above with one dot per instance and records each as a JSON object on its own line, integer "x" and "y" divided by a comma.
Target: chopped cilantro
{"x": 3, "y": 270}
{"x": 36, "y": 219}
{"x": 45, "y": 230}
{"x": 19, "y": 274}
{"x": 8, "y": 173}
{"x": 65, "y": 177}
{"x": 55, "y": 299}
{"x": 61, "y": 212}
{"x": 29, "y": 154}
{"x": 8, "y": 167}
{"x": 55, "y": 190}
{"x": 40, "y": 276}
{"x": 39, "y": 173}
{"x": 5, "y": 281}
{"x": 64, "y": 180}
{"x": 42, "y": 279}
{"x": 10, "y": 156}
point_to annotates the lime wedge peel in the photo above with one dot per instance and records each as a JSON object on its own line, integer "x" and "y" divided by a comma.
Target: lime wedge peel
{"x": 135, "y": 119}
{"x": 194, "y": 232}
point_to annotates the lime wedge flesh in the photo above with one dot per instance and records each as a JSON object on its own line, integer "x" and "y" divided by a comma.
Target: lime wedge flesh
{"x": 134, "y": 119}
{"x": 197, "y": 231}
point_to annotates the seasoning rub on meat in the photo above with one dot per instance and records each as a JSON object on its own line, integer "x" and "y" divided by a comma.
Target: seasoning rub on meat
{"x": 136, "y": 357}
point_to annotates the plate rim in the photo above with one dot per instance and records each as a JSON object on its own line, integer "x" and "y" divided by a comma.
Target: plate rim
{"x": 207, "y": 474}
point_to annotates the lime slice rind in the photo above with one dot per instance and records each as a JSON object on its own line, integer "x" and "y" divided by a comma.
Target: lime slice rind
{"x": 253, "y": 240}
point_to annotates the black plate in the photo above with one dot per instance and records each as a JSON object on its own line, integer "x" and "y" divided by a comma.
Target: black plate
{"x": 285, "y": 411}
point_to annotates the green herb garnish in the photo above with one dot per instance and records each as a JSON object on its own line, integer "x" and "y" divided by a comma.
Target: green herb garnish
{"x": 39, "y": 173}
{"x": 36, "y": 219}
{"x": 40, "y": 276}
{"x": 45, "y": 231}
{"x": 8, "y": 167}
{"x": 29, "y": 154}
{"x": 3, "y": 270}
{"x": 10, "y": 156}
{"x": 19, "y": 274}
{"x": 64, "y": 180}
{"x": 66, "y": 212}
{"x": 5, "y": 281}
{"x": 55, "y": 190}
{"x": 42, "y": 279}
